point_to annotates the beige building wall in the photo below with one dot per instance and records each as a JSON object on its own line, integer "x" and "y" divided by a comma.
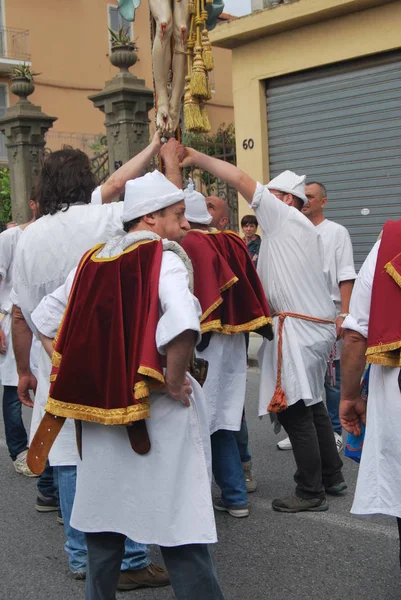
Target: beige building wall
{"x": 69, "y": 45}
{"x": 290, "y": 38}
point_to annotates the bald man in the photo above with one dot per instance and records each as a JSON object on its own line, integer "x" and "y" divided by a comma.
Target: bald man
{"x": 218, "y": 208}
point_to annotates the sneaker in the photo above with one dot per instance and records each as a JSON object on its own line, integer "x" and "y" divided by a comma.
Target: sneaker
{"x": 250, "y": 481}
{"x": 46, "y": 503}
{"x": 339, "y": 441}
{"x": 294, "y": 504}
{"x": 151, "y": 576}
{"x": 20, "y": 465}
{"x": 337, "y": 489}
{"x": 284, "y": 444}
{"x": 234, "y": 511}
{"x": 79, "y": 575}
{"x": 60, "y": 517}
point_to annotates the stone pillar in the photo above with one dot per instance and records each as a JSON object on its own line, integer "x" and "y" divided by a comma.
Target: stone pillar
{"x": 24, "y": 126}
{"x": 126, "y": 101}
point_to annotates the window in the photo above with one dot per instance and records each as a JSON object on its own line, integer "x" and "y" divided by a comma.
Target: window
{"x": 116, "y": 21}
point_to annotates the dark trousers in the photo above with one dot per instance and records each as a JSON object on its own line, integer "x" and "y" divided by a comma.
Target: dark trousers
{"x": 16, "y": 438}
{"x": 191, "y": 569}
{"x": 315, "y": 451}
{"x": 399, "y": 533}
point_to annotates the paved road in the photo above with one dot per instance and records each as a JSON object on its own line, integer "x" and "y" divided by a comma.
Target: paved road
{"x": 319, "y": 556}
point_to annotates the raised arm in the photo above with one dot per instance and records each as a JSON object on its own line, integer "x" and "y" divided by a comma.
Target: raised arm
{"x": 234, "y": 176}
{"x": 172, "y": 154}
{"x": 130, "y": 170}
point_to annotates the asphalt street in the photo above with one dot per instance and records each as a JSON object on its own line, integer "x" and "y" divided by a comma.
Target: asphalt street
{"x": 274, "y": 556}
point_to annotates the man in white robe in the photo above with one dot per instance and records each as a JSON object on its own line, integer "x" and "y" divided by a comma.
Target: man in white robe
{"x": 378, "y": 488}
{"x": 162, "y": 497}
{"x": 291, "y": 271}
{"x": 73, "y": 220}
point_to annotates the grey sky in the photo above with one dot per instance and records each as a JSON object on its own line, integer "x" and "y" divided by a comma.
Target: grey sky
{"x": 237, "y": 7}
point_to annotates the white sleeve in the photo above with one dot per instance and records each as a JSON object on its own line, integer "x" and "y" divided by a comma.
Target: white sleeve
{"x": 180, "y": 310}
{"x": 48, "y": 314}
{"x": 344, "y": 257}
{"x": 97, "y": 195}
{"x": 271, "y": 212}
{"x": 6, "y": 253}
{"x": 359, "y": 310}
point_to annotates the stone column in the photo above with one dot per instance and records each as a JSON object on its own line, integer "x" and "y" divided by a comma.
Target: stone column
{"x": 24, "y": 126}
{"x": 126, "y": 101}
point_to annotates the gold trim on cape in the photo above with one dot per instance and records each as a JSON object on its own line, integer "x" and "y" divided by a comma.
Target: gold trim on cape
{"x": 390, "y": 269}
{"x": 104, "y": 416}
{"x": 95, "y": 258}
{"x": 246, "y": 327}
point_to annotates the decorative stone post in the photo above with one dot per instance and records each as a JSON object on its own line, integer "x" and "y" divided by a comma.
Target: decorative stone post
{"x": 126, "y": 101}
{"x": 24, "y": 126}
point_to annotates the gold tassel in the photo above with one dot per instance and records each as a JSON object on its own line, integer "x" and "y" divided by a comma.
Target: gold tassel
{"x": 207, "y": 51}
{"x": 206, "y": 127}
{"x": 209, "y": 1}
{"x": 191, "y": 7}
{"x": 198, "y": 76}
{"x": 192, "y": 114}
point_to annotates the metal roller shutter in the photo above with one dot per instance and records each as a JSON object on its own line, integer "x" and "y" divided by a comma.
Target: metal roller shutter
{"x": 341, "y": 125}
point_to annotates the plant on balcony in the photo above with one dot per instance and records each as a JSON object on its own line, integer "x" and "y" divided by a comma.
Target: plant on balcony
{"x": 23, "y": 71}
{"x": 123, "y": 50}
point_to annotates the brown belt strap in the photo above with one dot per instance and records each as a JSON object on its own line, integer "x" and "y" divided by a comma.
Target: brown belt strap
{"x": 138, "y": 437}
{"x": 43, "y": 441}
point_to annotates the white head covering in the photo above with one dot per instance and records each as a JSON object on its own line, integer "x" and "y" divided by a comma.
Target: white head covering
{"x": 195, "y": 206}
{"x": 148, "y": 194}
{"x": 290, "y": 183}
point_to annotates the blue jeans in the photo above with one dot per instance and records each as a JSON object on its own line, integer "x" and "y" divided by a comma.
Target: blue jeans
{"x": 47, "y": 482}
{"x": 16, "y": 438}
{"x": 227, "y": 468}
{"x": 191, "y": 569}
{"x": 242, "y": 441}
{"x": 135, "y": 556}
{"x": 333, "y": 398}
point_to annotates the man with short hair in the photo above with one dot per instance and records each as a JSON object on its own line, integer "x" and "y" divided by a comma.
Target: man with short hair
{"x": 293, "y": 365}
{"x": 132, "y": 312}
{"x": 218, "y": 208}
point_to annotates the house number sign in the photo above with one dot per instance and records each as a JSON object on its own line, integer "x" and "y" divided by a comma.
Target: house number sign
{"x": 248, "y": 144}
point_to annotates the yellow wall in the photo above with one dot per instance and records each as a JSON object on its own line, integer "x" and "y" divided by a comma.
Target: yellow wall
{"x": 69, "y": 45}
{"x": 350, "y": 36}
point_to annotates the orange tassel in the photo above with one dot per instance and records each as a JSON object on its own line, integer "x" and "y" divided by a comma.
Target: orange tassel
{"x": 279, "y": 402}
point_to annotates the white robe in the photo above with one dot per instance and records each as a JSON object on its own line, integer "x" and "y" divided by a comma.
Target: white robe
{"x": 8, "y": 368}
{"x": 378, "y": 488}
{"x": 292, "y": 275}
{"x": 47, "y": 251}
{"x": 225, "y": 384}
{"x": 162, "y": 497}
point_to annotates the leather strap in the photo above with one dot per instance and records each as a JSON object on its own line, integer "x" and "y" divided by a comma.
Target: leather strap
{"x": 43, "y": 441}
{"x": 138, "y": 437}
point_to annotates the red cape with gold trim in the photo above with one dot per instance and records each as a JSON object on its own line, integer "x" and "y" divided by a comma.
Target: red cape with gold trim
{"x": 105, "y": 360}
{"x": 226, "y": 284}
{"x": 384, "y": 335}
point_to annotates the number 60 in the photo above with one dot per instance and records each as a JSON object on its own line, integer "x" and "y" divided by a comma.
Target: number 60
{"x": 248, "y": 144}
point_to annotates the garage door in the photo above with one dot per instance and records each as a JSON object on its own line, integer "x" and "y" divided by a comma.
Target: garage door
{"x": 341, "y": 126}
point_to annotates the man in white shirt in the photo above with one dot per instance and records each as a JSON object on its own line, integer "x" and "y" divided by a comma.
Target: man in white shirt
{"x": 293, "y": 365}
{"x": 338, "y": 262}
{"x": 73, "y": 220}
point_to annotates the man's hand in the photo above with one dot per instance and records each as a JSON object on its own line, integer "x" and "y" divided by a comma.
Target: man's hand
{"x": 189, "y": 159}
{"x": 3, "y": 346}
{"x": 339, "y": 327}
{"x": 25, "y": 383}
{"x": 352, "y": 414}
{"x": 173, "y": 152}
{"x": 180, "y": 391}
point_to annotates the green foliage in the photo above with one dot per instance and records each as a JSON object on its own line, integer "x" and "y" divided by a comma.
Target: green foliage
{"x": 99, "y": 145}
{"x": 122, "y": 38}
{"x": 5, "y": 196}
{"x": 23, "y": 71}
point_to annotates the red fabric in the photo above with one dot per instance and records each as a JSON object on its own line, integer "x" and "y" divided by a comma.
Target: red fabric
{"x": 244, "y": 306}
{"x": 108, "y": 332}
{"x": 384, "y": 334}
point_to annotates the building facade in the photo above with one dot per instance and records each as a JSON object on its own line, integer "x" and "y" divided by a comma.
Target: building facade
{"x": 317, "y": 89}
{"x": 68, "y": 43}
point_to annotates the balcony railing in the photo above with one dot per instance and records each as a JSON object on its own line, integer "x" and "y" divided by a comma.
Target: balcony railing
{"x": 14, "y": 44}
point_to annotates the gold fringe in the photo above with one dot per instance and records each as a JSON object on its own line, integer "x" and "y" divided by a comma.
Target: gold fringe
{"x": 389, "y": 268}
{"x": 214, "y": 326}
{"x": 149, "y": 372}
{"x": 104, "y": 416}
{"x": 381, "y": 348}
{"x": 192, "y": 113}
{"x": 198, "y": 87}
{"x": 245, "y": 327}
{"x": 53, "y": 378}
{"x": 56, "y": 358}
{"x": 191, "y": 7}
{"x": 229, "y": 284}
{"x": 383, "y": 360}
{"x": 95, "y": 258}
{"x": 209, "y": 1}
{"x": 207, "y": 51}
{"x": 211, "y": 308}
{"x": 205, "y": 120}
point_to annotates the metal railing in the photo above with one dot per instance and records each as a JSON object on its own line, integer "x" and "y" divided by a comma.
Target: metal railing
{"x": 86, "y": 142}
{"x": 14, "y": 43}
